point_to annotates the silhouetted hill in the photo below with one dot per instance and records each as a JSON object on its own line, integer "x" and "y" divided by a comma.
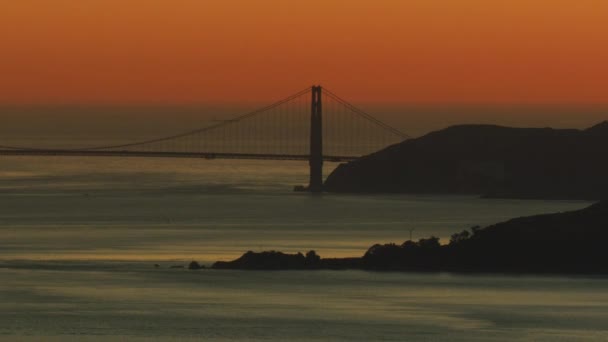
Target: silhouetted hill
{"x": 570, "y": 242}
{"x": 487, "y": 160}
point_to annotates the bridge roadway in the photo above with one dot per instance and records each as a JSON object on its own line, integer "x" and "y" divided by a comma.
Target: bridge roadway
{"x": 204, "y": 155}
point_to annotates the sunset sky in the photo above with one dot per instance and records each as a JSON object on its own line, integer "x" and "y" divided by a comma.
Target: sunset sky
{"x": 386, "y": 51}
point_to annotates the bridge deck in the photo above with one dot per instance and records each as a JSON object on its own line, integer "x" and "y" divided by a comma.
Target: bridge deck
{"x": 205, "y": 155}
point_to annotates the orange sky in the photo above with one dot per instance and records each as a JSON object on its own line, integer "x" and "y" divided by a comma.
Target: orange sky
{"x": 391, "y": 51}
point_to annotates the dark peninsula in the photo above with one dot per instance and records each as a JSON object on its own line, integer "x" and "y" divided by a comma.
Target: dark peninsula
{"x": 486, "y": 160}
{"x": 569, "y": 242}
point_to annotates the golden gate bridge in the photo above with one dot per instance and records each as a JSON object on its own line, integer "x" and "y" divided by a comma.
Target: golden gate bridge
{"x": 314, "y": 124}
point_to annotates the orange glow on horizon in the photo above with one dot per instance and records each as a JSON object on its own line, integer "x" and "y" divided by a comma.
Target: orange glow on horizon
{"x": 388, "y": 51}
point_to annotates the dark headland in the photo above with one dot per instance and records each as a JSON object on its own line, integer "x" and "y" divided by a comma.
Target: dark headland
{"x": 569, "y": 243}
{"x": 486, "y": 160}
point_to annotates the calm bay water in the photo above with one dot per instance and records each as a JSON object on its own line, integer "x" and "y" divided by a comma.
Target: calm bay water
{"x": 79, "y": 236}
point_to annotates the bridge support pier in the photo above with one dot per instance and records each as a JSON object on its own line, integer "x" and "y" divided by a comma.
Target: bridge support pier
{"x": 316, "y": 142}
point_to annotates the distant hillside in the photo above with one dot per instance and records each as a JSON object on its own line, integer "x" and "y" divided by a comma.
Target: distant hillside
{"x": 486, "y": 160}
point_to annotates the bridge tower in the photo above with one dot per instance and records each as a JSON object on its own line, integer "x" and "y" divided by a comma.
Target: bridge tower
{"x": 316, "y": 141}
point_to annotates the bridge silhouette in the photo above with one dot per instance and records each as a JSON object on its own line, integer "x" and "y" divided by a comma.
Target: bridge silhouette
{"x": 313, "y": 124}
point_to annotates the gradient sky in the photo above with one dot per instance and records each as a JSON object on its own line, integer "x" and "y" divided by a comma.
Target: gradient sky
{"x": 386, "y": 51}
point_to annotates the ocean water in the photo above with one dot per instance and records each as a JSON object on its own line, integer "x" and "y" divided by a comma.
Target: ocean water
{"x": 79, "y": 238}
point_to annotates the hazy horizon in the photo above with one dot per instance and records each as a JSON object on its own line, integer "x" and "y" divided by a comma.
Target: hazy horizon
{"x": 112, "y": 123}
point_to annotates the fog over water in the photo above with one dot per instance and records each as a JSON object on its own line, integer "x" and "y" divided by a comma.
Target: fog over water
{"x": 79, "y": 237}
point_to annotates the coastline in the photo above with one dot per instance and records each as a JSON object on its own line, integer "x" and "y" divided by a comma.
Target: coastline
{"x": 560, "y": 243}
